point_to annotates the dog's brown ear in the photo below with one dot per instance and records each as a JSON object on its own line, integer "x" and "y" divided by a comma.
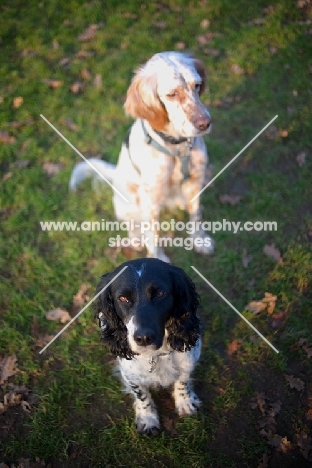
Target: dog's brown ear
{"x": 142, "y": 101}
{"x": 200, "y": 68}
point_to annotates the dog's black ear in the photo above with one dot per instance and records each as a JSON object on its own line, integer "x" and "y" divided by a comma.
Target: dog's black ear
{"x": 184, "y": 326}
{"x": 113, "y": 330}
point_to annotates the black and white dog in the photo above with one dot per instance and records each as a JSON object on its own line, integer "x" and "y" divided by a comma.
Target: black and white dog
{"x": 148, "y": 319}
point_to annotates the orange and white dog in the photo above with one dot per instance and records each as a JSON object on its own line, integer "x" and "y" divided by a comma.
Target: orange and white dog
{"x": 163, "y": 159}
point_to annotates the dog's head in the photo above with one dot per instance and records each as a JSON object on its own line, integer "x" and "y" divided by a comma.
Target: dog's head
{"x": 149, "y": 302}
{"x": 166, "y": 92}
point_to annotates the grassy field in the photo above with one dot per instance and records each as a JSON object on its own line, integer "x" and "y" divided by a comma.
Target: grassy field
{"x": 72, "y": 62}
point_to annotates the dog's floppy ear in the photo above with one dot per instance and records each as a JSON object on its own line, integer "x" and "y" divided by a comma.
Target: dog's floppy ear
{"x": 183, "y": 327}
{"x": 199, "y": 66}
{"x": 113, "y": 330}
{"x": 142, "y": 101}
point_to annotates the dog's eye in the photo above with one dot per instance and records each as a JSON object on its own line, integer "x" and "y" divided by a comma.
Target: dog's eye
{"x": 123, "y": 299}
{"x": 172, "y": 94}
{"x": 197, "y": 87}
{"x": 160, "y": 293}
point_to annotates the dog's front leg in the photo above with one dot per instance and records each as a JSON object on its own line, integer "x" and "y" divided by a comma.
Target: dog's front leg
{"x": 146, "y": 417}
{"x": 186, "y": 400}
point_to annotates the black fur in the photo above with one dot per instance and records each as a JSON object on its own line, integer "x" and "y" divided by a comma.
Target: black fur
{"x": 177, "y": 313}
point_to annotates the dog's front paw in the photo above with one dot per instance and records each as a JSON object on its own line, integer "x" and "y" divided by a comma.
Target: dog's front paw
{"x": 147, "y": 425}
{"x": 188, "y": 404}
{"x": 203, "y": 243}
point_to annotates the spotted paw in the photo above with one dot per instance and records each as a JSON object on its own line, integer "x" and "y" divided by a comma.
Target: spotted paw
{"x": 188, "y": 404}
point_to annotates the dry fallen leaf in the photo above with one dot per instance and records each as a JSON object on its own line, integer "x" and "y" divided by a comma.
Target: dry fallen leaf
{"x": 236, "y": 69}
{"x": 5, "y": 137}
{"x": 273, "y": 252}
{"x": 294, "y": 382}
{"x": 58, "y": 314}
{"x": 53, "y": 84}
{"x": 52, "y": 168}
{"x": 212, "y": 52}
{"x": 76, "y": 87}
{"x": 231, "y": 199}
{"x": 160, "y": 24}
{"x": 282, "y": 444}
{"x": 233, "y": 347}
{"x": 279, "y": 318}
{"x": 85, "y": 74}
{"x": 17, "y": 102}
{"x": 205, "y": 23}
{"x": 97, "y": 80}
{"x": 256, "y": 306}
{"x": 80, "y": 299}
{"x": 180, "y": 45}
{"x": 308, "y": 351}
{"x": 301, "y": 158}
{"x": 71, "y": 124}
{"x": 89, "y": 33}
{"x": 304, "y": 443}
{"x": 8, "y": 368}
{"x": 169, "y": 425}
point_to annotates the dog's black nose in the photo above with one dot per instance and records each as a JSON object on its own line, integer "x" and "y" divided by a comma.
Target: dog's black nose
{"x": 144, "y": 337}
{"x": 202, "y": 123}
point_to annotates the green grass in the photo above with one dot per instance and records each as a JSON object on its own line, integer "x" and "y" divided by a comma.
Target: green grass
{"x": 80, "y": 417}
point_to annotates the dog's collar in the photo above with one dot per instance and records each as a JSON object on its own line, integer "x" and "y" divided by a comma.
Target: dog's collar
{"x": 153, "y": 360}
{"x": 184, "y": 158}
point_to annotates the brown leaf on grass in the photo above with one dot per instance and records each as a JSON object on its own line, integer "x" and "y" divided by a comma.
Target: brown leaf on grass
{"x": 7, "y": 176}
{"x": 64, "y": 61}
{"x": 301, "y": 158}
{"x": 304, "y": 443}
{"x": 261, "y": 402}
{"x": 204, "y": 39}
{"x": 84, "y": 54}
{"x": 237, "y": 69}
{"x": 52, "y": 168}
{"x": 232, "y": 199}
{"x": 279, "y": 318}
{"x": 85, "y": 74}
{"x": 80, "y": 299}
{"x": 256, "y": 306}
{"x": 25, "y": 406}
{"x": 169, "y": 425}
{"x": 97, "y": 80}
{"x": 71, "y": 124}
{"x": 294, "y": 382}
{"x": 127, "y": 14}
{"x": 180, "y": 45}
{"x": 264, "y": 461}
{"x": 17, "y": 102}
{"x": 273, "y": 252}
{"x": 58, "y": 314}
{"x": 308, "y": 351}
{"x": 88, "y": 34}
{"x": 5, "y": 137}
{"x": 212, "y": 52}
{"x": 160, "y": 24}
{"x": 42, "y": 340}
{"x": 233, "y": 347}
{"x": 205, "y": 23}
{"x": 281, "y": 444}
{"x": 53, "y": 84}
{"x": 77, "y": 87}
{"x": 8, "y": 368}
